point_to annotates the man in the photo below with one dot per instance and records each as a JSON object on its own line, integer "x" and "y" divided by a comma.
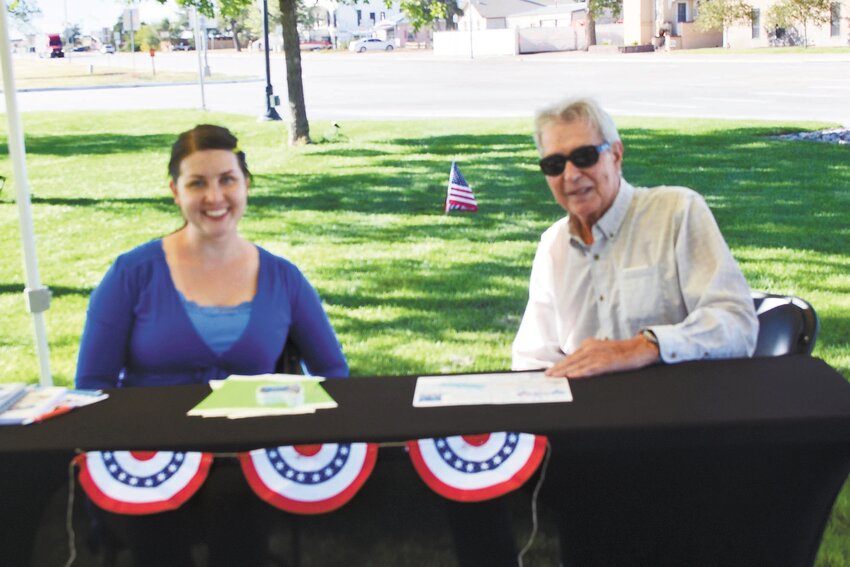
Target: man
{"x": 631, "y": 276}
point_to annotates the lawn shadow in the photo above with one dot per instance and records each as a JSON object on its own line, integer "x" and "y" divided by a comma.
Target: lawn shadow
{"x": 93, "y": 144}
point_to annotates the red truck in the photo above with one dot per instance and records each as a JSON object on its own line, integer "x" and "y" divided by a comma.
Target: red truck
{"x": 50, "y": 45}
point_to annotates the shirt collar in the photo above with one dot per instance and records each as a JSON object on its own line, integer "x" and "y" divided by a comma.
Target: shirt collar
{"x": 609, "y": 223}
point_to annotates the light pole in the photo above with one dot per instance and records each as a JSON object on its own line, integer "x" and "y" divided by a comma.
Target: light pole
{"x": 271, "y": 99}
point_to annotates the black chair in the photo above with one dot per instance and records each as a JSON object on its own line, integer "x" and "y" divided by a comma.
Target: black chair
{"x": 787, "y": 325}
{"x": 290, "y": 359}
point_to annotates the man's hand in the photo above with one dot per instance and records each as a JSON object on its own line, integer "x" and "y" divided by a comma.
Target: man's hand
{"x": 596, "y": 356}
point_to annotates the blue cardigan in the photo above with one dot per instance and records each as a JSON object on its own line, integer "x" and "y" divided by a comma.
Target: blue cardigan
{"x": 138, "y": 333}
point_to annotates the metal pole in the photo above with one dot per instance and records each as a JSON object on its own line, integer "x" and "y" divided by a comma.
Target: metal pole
{"x": 200, "y": 62}
{"x": 132, "y": 41}
{"x": 207, "y": 72}
{"x": 271, "y": 112}
{"x": 37, "y": 297}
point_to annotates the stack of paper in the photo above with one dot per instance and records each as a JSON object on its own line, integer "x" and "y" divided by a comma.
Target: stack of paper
{"x": 237, "y": 397}
{"x": 41, "y": 403}
{"x": 11, "y": 393}
{"x": 485, "y": 389}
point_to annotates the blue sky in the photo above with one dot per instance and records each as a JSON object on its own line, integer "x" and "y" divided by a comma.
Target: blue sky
{"x": 93, "y": 14}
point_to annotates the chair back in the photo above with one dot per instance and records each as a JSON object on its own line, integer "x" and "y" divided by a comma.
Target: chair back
{"x": 290, "y": 359}
{"x": 787, "y": 325}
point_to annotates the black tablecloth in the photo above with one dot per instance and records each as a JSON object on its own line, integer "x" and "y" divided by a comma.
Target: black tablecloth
{"x": 713, "y": 462}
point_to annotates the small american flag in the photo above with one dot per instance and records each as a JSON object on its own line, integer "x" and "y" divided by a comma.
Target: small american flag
{"x": 459, "y": 196}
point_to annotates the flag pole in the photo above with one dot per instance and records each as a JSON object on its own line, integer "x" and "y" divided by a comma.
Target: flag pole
{"x": 37, "y": 297}
{"x": 449, "y": 187}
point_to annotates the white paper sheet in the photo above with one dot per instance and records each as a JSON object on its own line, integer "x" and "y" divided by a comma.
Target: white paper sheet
{"x": 487, "y": 389}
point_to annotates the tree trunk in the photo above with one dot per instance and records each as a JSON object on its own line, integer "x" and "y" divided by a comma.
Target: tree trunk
{"x": 299, "y": 129}
{"x": 236, "y": 42}
{"x": 590, "y": 31}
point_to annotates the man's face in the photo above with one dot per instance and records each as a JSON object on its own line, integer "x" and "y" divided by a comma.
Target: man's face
{"x": 588, "y": 192}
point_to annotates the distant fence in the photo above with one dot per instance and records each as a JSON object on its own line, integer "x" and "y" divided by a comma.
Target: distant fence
{"x": 512, "y": 41}
{"x": 539, "y": 40}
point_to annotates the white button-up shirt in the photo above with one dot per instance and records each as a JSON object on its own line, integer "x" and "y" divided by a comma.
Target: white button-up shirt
{"x": 658, "y": 262}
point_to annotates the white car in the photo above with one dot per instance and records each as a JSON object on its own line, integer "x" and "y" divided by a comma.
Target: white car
{"x": 107, "y": 48}
{"x": 371, "y": 44}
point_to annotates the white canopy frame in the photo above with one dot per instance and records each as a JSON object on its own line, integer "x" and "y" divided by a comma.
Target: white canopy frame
{"x": 36, "y": 296}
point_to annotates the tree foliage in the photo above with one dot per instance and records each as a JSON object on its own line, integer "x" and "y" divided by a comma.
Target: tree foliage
{"x": 597, "y": 9}
{"x": 720, "y": 14}
{"x": 299, "y": 128}
{"x": 147, "y": 38}
{"x": 422, "y": 13}
{"x": 787, "y": 13}
{"x": 22, "y": 11}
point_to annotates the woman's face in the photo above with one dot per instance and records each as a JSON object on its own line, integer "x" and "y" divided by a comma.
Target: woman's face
{"x": 212, "y": 192}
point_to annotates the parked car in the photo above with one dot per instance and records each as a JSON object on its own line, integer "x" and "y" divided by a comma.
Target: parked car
{"x": 315, "y": 44}
{"x": 107, "y": 48}
{"x": 183, "y": 47}
{"x": 371, "y": 44}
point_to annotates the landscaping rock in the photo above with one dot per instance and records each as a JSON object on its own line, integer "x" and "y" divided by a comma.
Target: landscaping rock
{"x": 833, "y": 136}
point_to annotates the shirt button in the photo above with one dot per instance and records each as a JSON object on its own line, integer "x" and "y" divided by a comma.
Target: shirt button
{"x": 601, "y": 298}
{"x": 672, "y": 355}
{"x": 596, "y": 256}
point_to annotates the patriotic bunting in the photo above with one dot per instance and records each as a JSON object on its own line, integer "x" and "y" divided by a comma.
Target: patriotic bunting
{"x": 309, "y": 479}
{"x": 471, "y": 468}
{"x": 459, "y": 195}
{"x": 142, "y": 482}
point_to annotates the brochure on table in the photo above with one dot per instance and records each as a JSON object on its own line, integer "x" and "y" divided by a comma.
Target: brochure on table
{"x": 488, "y": 389}
{"x": 241, "y": 396}
{"x": 41, "y": 403}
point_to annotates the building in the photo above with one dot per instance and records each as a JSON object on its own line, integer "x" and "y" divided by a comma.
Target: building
{"x": 648, "y": 21}
{"x": 340, "y": 22}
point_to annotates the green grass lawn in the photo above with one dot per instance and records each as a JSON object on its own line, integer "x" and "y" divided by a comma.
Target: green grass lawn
{"x": 409, "y": 289}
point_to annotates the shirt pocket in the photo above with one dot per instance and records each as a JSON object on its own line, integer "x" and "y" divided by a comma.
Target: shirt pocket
{"x": 640, "y": 296}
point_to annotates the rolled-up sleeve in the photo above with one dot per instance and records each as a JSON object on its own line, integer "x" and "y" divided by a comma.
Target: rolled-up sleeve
{"x": 536, "y": 344}
{"x": 721, "y": 320}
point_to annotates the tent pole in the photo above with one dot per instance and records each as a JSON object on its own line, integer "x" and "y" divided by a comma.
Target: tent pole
{"x": 37, "y": 297}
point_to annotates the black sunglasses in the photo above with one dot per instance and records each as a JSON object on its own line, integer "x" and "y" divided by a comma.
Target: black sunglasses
{"x": 585, "y": 156}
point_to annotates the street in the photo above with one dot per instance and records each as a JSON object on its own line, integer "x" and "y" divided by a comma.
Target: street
{"x": 417, "y": 84}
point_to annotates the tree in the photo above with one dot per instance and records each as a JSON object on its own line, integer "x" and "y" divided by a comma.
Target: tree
{"x": 786, "y": 13}
{"x": 235, "y": 16}
{"x": 595, "y": 10}
{"x": 720, "y": 14}
{"x": 422, "y": 13}
{"x": 299, "y": 128}
{"x": 71, "y": 34}
{"x": 147, "y": 38}
{"x": 22, "y": 11}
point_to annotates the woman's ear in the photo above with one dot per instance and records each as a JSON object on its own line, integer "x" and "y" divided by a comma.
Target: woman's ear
{"x": 173, "y": 188}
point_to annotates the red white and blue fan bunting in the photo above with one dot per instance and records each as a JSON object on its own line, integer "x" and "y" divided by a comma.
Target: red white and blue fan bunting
{"x": 309, "y": 479}
{"x": 142, "y": 482}
{"x": 471, "y": 468}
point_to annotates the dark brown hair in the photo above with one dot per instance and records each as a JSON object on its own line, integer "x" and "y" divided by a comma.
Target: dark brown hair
{"x": 204, "y": 137}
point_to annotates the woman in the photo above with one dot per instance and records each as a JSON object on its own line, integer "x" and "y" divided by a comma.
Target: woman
{"x": 202, "y": 303}
{"x": 198, "y": 305}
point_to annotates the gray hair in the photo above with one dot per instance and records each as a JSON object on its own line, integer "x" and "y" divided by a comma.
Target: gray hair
{"x": 574, "y": 110}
